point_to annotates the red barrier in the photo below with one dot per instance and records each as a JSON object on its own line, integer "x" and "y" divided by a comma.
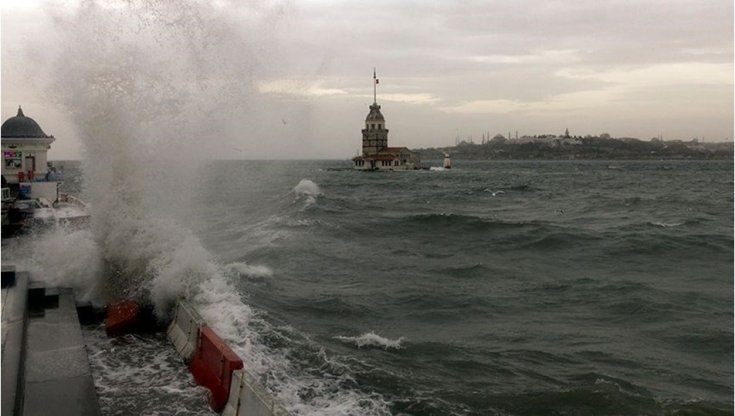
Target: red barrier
{"x": 121, "y": 317}
{"x": 212, "y": 365}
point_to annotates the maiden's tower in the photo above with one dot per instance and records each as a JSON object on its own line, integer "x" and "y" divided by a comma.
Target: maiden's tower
{"x": 376, "y": 155}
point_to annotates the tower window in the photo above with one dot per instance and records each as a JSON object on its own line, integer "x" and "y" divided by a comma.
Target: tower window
{"x": 380, "y": 127}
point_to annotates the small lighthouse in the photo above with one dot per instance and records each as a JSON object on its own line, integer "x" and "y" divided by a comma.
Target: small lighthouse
{"x": 374, "y": 135}
{"x": 376, "y": 155}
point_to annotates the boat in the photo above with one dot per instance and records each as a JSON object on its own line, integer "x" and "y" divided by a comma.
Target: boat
{"x": 39, "y": 213}
{"x": 67, "y": 210}
{"x": 71, "y": 211}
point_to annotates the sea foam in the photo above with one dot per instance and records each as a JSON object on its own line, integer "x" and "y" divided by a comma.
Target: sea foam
{"x": 665, "y": 224}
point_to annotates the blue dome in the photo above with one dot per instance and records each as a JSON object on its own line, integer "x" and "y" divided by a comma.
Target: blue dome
{"x": 22, "y": 127}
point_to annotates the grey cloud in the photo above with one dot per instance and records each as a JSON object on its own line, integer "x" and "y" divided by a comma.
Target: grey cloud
{"x": 440, "y": 53}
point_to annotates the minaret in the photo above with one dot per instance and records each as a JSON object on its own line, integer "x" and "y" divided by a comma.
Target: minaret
{"x": 374, "y": 135}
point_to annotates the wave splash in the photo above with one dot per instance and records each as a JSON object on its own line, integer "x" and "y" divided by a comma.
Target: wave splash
{"x": 144, "y": 84}
{"x": 372, "y": 340}
{"x": 250, "y": 270}
{"x": 308, "y": 191}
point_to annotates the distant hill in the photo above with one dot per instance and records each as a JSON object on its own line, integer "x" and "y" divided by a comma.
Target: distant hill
{"x": 560, "y": 147}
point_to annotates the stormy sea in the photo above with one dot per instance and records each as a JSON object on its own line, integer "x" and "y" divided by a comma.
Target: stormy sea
{"x": 494, "y": 288}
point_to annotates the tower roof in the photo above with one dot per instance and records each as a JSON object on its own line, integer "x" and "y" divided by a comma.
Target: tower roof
{"x": 375, "y": 114}
{"x": 22, "y": 127}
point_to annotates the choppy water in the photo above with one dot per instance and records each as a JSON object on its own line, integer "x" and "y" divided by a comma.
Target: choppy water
{"x": 494, "y": 288}
{"x": 508, "y": 288}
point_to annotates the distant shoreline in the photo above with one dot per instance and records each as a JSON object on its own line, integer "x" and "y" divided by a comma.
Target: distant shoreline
{"x": 587, "y": 148}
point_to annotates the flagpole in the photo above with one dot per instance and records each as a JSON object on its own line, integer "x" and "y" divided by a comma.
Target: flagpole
{"x": 375, "y": 88}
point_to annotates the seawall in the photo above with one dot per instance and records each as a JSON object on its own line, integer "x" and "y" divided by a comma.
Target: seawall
{"x": 233, "y": 390}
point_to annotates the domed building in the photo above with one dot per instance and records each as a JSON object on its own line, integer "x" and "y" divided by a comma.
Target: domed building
{"x": 376, "y": 155}
{"x": 24, "y": 149}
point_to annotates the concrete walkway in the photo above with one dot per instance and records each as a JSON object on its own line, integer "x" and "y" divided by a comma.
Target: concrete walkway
{"x": 52, "y": 374}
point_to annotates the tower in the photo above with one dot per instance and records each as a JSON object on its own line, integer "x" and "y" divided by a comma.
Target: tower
{"x": 374, "y": 135}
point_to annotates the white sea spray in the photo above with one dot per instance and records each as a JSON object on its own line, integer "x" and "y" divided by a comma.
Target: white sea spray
{"x": 150, "y": 85}
{"x": 60, "y": 257}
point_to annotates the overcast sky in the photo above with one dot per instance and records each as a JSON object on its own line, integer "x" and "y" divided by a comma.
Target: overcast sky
{"x": 293, "y": 79}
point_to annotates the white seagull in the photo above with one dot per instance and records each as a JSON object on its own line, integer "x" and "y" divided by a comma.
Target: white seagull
{"x": 494, "y": 192}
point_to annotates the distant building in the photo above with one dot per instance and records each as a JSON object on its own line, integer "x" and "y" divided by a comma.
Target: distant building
{"x": 24, "y": 149}
{"x": 376, "y": 155}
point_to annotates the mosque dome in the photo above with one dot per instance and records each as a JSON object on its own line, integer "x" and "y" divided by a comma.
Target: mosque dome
{"x": 21, "y": 126}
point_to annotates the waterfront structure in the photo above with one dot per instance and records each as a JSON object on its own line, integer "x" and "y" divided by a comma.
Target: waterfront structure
{"x": 376, "y": 155}
{"x": 25, "y": 146}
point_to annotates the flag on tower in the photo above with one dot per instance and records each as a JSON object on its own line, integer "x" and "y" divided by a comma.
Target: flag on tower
{"x": 375, "y": 77}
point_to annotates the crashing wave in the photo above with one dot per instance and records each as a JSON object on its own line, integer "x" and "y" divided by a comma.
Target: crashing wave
{"x": 371, "y": 339}
{"x": 308, "y": 190}
{"x": 250, "y": 270}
